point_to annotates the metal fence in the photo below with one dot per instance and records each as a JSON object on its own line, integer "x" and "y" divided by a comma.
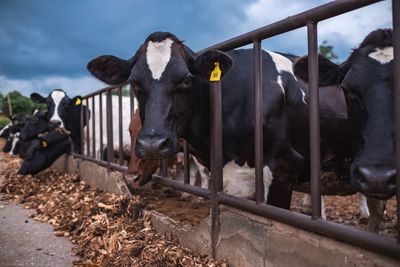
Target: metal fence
{"x": 309, "y": 19}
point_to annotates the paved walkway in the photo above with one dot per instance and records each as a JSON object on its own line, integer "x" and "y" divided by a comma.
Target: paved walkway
{"x": 26, "y": 242}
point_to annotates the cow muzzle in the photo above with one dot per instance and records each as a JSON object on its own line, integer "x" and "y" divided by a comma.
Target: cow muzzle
{"x": 375, "y": 182}
{"x": 156, "y": 147}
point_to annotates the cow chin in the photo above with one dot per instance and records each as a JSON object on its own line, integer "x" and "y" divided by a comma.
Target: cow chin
{"x": 137, "y": 181}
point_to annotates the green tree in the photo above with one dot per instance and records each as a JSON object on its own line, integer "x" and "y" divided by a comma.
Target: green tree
{"x": 19, "y": 103}
{"x": 1, "y": 103}
{"x": 327, "y": 51}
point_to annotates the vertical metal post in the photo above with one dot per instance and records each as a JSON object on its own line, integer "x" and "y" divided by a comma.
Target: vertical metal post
{"x": 132, "y": 109}
{"x": 258, "y": 121}
{"x": 87, "y": 130}
{"x": 120, "y": 154}
{"x": 216, "y": 157}
{"x": 93, "y": 127}
{"x": 186, "y": 170}
{"x": 110, "y": 139}
{"x": 315, "y": 155}
{"x": 101, "y": 124}
{"x": 396, "y": 87}
{"x": 164, "y": 168}
{"x": 82, "y": 150}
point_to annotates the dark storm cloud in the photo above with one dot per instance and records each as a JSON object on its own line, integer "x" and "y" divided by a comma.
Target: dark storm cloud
{"x": 44, "y": 38}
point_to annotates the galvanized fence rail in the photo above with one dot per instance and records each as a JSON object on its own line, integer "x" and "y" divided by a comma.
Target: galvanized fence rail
{"x": 309, "y": 19}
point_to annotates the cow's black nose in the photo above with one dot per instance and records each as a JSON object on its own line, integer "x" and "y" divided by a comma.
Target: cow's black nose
{"x": 56, "y": 122}
{"x": 153, "y": 147}
{"x": 376, "y": 182}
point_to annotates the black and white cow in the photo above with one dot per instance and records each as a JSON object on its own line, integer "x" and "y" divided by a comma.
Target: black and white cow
{"x": 39, "y": 123}
{"x": 65, "y": 112}
{"x": 44, "y": 151}
{"x": 366, "y": 81}
{"x": 5, "y": 131}
{"x": 12, "y": 145}
{"x": 171, "y": 84}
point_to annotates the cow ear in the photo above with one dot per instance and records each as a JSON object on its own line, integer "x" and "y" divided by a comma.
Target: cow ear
{"x": 76, "y": 101}
{"x": 38, "y": 98}
{"x": 210, "y": 61}
{"x": 109, "y": 69}
{"x": 329, "y": 72}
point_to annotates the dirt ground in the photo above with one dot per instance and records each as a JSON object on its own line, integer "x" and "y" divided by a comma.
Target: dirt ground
{"x": 106, "y": 229}
{"x": 340, "y": 209}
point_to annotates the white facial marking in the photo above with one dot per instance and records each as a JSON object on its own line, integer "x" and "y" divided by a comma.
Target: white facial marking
{"x": 281, "y": 64}
{"x": 57, "y": 96}
{"x": 14, "y": 143}
{"x": 5, "y": 128}
{"x": 158, "y": 55}
{"x": 382, "y": 55}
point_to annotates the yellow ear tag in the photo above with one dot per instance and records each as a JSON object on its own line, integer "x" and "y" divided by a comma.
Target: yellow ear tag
{"x": 216, "y": 73}
{"x": 78, "y": 101}
{"x": 44, "y": 144}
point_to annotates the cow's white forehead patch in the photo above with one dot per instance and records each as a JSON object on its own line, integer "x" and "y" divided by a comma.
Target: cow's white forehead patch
{"x": 158, "y": 55}
{"x": 382, "y": 55}
{"x": 57, "y": 96}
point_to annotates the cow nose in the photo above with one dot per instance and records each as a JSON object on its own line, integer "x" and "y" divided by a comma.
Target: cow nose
{"x": 376, "y": 182}
{"x": 152, "y": 147}
{"x": 56, "y": 122}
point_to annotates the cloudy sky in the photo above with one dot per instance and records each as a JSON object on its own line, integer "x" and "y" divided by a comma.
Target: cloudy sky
{"x": 46, "y": 44}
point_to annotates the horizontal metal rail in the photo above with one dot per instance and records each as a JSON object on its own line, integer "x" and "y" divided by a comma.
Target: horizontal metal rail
{"x": 316, "y": 14}
{"x": 111, "y": 165}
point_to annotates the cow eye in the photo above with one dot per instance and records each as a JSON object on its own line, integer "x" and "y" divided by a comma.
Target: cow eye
{"x": 186, "y": 82}
{"x": 138, "y": 89}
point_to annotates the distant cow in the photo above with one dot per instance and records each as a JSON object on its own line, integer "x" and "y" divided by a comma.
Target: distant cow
{"x": 5, "y": 131}
{"x": 366, "y": 81}
{"x": 44, "y": 151}
{"x": 39, "y": 123}
{"x": 65, "y": 112}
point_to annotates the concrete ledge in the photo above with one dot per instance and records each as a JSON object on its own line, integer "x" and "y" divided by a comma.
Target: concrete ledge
{"x": 93, "y": 174}
{"x": 250, "y": 240}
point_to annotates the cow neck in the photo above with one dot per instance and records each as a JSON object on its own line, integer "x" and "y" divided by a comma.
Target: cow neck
{"x": 197, "y": 132}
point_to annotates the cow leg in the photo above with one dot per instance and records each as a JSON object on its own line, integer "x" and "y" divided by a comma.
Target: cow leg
{"x": 280, "y": 194}
{"x": 376, "y": 208}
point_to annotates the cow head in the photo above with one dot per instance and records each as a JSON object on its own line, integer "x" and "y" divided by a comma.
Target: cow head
{"x": 44, "y": 151}
{"x": 366, "y": 80}
{"x": 162, "y": 73}
{"x": 58, "y": 105}
{"x": 37, "y": 124}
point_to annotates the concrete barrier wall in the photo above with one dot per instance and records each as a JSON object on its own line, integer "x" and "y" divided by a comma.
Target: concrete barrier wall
{"x": 245, "y": 239}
